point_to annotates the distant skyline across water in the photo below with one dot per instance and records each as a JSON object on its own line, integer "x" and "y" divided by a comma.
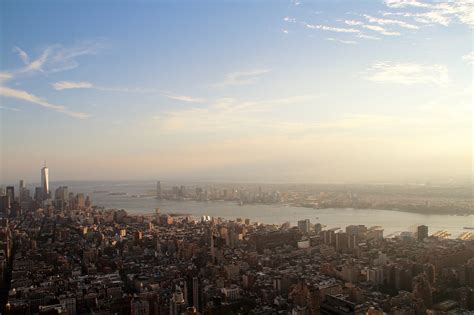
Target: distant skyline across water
{"x": 391, "y": 221}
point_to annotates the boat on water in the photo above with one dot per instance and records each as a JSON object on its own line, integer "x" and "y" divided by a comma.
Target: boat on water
{"x": 469, "y": 227}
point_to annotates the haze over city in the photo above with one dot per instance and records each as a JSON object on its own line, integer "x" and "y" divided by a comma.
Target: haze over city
{"x": 288, "y": 91}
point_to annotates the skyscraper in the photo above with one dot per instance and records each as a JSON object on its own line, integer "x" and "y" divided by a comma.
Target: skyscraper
{"x": 158, "y": 190}
{"x": 422, "y": 232}
{"x": 22, "y": 190}
{"x": 45, "y": 181}
{"x": 304, "y": 225}
{"x": 11, "y": 193}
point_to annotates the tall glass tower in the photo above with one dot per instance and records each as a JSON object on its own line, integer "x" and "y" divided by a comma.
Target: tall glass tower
{"x": 45, "y": 181}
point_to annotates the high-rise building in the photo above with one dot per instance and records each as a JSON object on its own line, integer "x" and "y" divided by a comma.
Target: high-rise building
{"x": 139, "y": 307}
{"x": 159, "y": 193}
{"x": 61, "y": 196}
{"x": 177, "y": 303}
{"x": 80, "y": 201}
{"x": 22, "y": 191}
{"x": 303, "y": 225}
{"x": 11, "y": 193}
{"x": 422, "y": 232}
{"x": 196, "y": 292}
{"x": 39, "y": 194}
{"x": 45, "y": 181}
{"x": 4, "y": 204}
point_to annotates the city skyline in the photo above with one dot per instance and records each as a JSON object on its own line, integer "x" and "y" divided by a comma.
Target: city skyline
{"x": 293, "y": 91}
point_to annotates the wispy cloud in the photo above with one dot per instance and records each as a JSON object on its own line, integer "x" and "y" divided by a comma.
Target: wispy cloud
{"x": 440, "y": 12}
{"x": 380, "y": 30}
{"x": 52, "y": 59}
{"x": 353, "y": 22}
{"x": 4, "y": 76}
{"x": 364, "y": 36}
{"x": 225, "y": 113}
{"x": 289, "y": 19}
{"x": 408, "y": 73}
{"x": 382, "y": 21}
{"x": 69, "y": 85}
{"x": 347, "y": 42}
{"x": 22, "y": 54}
{"x": 184, "y": 98}
{"x": 37, "y": 64}
{"x": 469, "y": 58}
{"x": 242, "y": 77}
{"x": 66, "y": 57}
{"x": 64, "y": 85}
{"x": 332, "y": 28}
{"x": 55, "y": 58}
{"x": 25, "y": 96}
{"x": 10, "y": 108}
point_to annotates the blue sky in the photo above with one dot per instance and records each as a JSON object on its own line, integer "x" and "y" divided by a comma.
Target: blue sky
{"x": 237, "y": 90}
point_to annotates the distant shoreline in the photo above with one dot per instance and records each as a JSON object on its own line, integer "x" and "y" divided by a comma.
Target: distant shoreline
{"x": 418, "y": 211}
{"x": 415, "y": 211}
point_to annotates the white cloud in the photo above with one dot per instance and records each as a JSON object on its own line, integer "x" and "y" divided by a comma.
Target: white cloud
{"x": 353, "y": 22}
{"x": 37, "y": 64}
{"x": 332, "y": 29}
{"x": 65, "y": 58}
{"x": 22, "y": 54}
{"x": 64, "y": 85}
{"x": 25, "y": 96}
{"x": 381, "y": 21}
{"x": 10, "y": 108}
{"x": 375, "y": 28}
{"x": 285, "y": 31}
{"x": 440, "y": 12}
{"x": 406, "y": 3}
{"x": 347, "y": 42}
{"x": 408, "y": 73}
{"x": 289, "y": 19}
{"x": 368, "y": 37}
{"x": 4, "y": 76}
{"x": 380, "y": 30}
{"x": 184, "y": 98}
{"x": 469, "y": 58}
{"x": 242, "y": 77}
{"x": 225, "y": 113}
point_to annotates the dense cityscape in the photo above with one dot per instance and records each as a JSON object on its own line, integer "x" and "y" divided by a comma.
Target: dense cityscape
{"x": 63, "y": 255}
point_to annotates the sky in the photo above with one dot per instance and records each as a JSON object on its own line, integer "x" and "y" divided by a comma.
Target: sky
{"x": 289, "y": 91}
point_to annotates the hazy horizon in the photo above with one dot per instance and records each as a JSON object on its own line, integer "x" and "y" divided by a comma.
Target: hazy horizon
{"x": 295, "y": 91}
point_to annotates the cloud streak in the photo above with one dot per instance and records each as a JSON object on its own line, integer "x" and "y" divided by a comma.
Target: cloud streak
{"x": 10, "y": 108}
{"x": 408, "y": 73}
{"x": 65, "y": 85}
{"x": 22, "y": 54}
{"x": 332, "y": 28}
{"x": 347, "y": 42}
{"x": 442, "y": 12}
{"x": 27, "y": 97}
{"x": 382, "y": 21}
{"x": 184, "y": 98}
{"x": 242, "y": 78}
